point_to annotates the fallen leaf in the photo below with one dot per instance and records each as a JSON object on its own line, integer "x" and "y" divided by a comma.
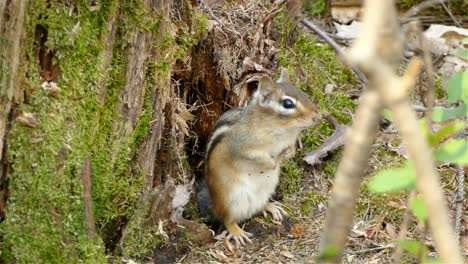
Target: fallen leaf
{"x": 298, "y": 230}
{"x": 329, "y": 88}
{"x": 27, "y": 119}
{"x": 348, "y": 31}
{"x": 50, "y": 88}
{"x": 391, "y": 230}
{"x": 444, "y": 39}
{"x": 401, "y": 149}
{"x": 218, "y": 254}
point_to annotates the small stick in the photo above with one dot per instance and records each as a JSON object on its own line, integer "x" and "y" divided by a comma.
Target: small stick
{"x": 325, "y": 73}
{"x": 450, "y": 14}
{"x": 364, "y": 251}
{"x": 418, "y": 8}
{"x": 334, "y": 45}
{"x": 87, "y": 198}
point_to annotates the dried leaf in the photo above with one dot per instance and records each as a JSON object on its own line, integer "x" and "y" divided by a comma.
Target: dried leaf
{"x": 329, "y": 88}
{"x": 27, "y": 119}
{"x": 186, "y": 115}
{"x": 287, "y": 254}
{"x": 50, "y": 88}
{"x": 401, "y": 149}
{"x": 218, "y": 254}
{"x": 391, "y": 230}
{"x": 298, "y": 230}
{"x": 248, "y": 64}
{"x": 348, "y": 31}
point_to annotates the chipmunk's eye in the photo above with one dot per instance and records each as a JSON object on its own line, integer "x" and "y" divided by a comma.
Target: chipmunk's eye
{"x": 288, "y": 103}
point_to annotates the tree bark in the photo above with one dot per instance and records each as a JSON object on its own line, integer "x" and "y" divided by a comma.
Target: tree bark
{"x": 12, "y": 15}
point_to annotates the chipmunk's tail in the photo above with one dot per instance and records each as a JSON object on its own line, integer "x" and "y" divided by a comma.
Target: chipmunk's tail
{"x": 204, "y": 203}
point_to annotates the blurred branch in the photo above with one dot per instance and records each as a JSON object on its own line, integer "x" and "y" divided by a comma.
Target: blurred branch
{"x": 349, "y": 175}
{"x": 372, "y": 54}
{"x": 378, "y": 54}
{"x": 450, "y": 14}
{"x": 424, "y": 5}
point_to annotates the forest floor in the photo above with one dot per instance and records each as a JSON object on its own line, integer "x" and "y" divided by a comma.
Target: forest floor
{"x": 304, "y": 189}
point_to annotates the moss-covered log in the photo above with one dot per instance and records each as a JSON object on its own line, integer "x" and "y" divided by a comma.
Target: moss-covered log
{"x": 110, "y": 63}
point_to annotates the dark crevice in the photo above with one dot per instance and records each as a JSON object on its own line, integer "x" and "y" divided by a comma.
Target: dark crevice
{"x": 5, "y": 168}
{"x": 48, "y": 67}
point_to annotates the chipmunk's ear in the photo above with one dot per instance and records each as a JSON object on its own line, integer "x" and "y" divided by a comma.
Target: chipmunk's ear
{"x": 284, "y": 78}
{"x": 265, "y": 86}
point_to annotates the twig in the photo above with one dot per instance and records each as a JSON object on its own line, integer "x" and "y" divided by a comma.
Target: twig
{"x": 428, "y": 95}
{"x": 364, "y": 251}
{"x": 450, "y": 13}
{"x": 404, "y": 227}
{"x": 334, "y": 45}
{"x": 418, "y": 8}
{"x": 87, "y": 198}
{"x": 324, "y": 72}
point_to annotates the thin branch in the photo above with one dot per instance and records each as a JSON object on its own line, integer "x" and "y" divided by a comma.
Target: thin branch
{"x": 418, "y": 8}
{"x": 319, "y": 66}
{"x": 364, "y": 251}
{"x": 428, "y": 95}
{"x": 334, "y": 45}
{"x": 450, "y": 14}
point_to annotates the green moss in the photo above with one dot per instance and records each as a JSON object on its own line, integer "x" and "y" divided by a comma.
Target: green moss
{"x": 290, "y": 179}
{"x": 311, "y": 200}
{"x": 315, "y": 7}
{"x": 140, "y": 238}
{"x": 45, "y": 220}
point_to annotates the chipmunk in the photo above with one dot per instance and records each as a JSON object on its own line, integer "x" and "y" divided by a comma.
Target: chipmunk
{"x": 246, "y": 148}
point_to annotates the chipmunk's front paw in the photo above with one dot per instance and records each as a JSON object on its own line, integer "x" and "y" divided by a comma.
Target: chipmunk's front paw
{"x": 236, "y": 233}
{"x": 276, "y": 210}
{"x": 288, "y": 152}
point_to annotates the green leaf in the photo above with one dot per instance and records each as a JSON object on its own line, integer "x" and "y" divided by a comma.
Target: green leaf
{"x": 413, "y": 247}
{"x": 458, "y": 88}
{"x": 417, "y": 207}
{"x": 455, "y": 151}
{"x": 393, "y": 179}
{"x": 462, "y": 53}
{"x": 445, "y": 132}
{"x": 441, "y": 114}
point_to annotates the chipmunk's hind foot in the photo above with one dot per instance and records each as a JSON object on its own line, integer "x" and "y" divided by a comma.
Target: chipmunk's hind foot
{"x": 236, "y": 233}
{"x": 275, "y": 209}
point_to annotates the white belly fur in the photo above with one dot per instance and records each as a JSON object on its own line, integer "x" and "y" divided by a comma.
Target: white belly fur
{"x": 251, "y": 193}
